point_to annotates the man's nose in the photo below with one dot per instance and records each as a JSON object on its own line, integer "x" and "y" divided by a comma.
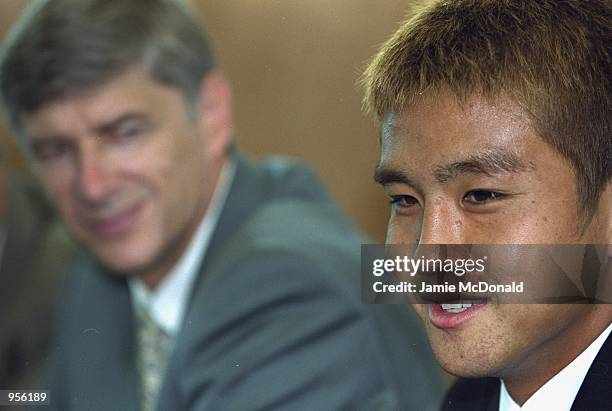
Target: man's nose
{"x": 93, "y": 181}
{"x": 441, "y": 224}
{"x": 441, "y": 227}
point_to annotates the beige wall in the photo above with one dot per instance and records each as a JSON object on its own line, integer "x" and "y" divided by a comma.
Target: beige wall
{"x": 8, "y": 10}
{"x": 294, "y": 66}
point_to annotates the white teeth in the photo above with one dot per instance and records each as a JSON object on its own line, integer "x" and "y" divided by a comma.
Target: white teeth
{"x": 456, "y": 308}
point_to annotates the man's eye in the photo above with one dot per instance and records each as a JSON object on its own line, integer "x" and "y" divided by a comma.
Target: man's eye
{"x": 403, "y": 201}
{"x": 51, "y": 150}
{"x": 129, "y": 130}
{"x": 128, "y": 133}
{"x": 482, "y": 196}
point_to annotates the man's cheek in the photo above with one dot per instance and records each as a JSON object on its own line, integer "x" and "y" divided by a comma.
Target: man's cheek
{"x": 401, "y": 231}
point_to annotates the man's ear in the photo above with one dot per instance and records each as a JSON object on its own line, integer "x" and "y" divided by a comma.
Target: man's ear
{"x": 215, "y": 113}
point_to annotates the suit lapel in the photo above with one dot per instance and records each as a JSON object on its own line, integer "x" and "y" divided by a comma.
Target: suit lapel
{"x": 243, "y": 198}
{"x": 596, "y": 390}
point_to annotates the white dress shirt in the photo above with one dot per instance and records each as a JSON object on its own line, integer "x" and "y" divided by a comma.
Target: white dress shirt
{"x": 560, "y": 391}
{"x": 166, "y": 304}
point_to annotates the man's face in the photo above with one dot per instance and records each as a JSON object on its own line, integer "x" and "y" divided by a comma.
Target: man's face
{"x": 128, "y": 168}
{"x": 476, "y": 173}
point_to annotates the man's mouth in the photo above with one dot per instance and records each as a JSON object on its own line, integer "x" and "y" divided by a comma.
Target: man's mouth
{"x": 117, "y": 224}
{"x": 454, "y": 315}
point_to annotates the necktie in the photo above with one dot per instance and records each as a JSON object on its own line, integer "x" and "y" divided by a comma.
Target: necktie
{"x": 152, "y": 357}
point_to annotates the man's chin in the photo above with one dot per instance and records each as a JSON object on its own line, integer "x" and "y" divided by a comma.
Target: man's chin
{"x": 122, "y": 262}
{"x": 466, "y": 357}
{"x": 467, "y": 370}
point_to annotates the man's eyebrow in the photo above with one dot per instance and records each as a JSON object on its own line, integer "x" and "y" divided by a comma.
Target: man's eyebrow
{"x": 384, "y": 176}
{"x": 36, "y": 139}
{"x": 110, "y": 126}
{"x": 490, "y": 162}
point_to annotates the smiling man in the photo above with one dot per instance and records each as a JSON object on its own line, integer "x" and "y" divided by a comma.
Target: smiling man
{"x": 495, "y": 129}
{"x": 212, "y": 282}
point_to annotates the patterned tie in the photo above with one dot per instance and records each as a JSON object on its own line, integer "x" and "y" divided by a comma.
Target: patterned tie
{"x": 152, "y": 357}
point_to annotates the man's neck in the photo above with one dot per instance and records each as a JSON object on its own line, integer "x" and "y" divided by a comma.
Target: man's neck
{"x": 552, "y": 356}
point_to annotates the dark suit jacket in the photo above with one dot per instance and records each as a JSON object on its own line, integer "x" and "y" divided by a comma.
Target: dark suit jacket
{"x": 595, "y": 393}
{"x": 274, "y": 323}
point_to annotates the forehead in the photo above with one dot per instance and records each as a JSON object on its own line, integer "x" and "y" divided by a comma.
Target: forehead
{"x": 131, "y": 91}
{"x": 443, "y": 127}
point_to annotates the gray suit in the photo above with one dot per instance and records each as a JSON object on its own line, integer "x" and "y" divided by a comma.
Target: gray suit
{"x": 274, "y": 323}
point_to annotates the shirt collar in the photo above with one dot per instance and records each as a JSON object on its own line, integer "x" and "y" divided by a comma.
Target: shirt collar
{"x": 561, "y": 390}
{"x": 167, "y": 303}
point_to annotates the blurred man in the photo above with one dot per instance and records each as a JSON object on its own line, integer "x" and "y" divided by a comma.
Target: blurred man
{"x": 214, "y": 283}
{"x": 35, "y": 252}
{"x": 496, "y": 130}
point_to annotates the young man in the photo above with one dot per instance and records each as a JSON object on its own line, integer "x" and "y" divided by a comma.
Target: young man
{"x": 496, "y": 119}
{"x": 214, "y": 283}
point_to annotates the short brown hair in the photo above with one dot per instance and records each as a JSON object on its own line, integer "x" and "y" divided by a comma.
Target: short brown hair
{"x": 551, "y": 57}
{"x": 61, "y": 48}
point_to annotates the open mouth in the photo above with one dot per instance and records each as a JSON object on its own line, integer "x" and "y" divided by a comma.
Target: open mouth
{"x": 457, "y": 307}
{"x": 456, "y": 314}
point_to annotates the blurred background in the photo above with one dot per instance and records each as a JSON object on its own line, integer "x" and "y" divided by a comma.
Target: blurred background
{"x": 294, "y": 67}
